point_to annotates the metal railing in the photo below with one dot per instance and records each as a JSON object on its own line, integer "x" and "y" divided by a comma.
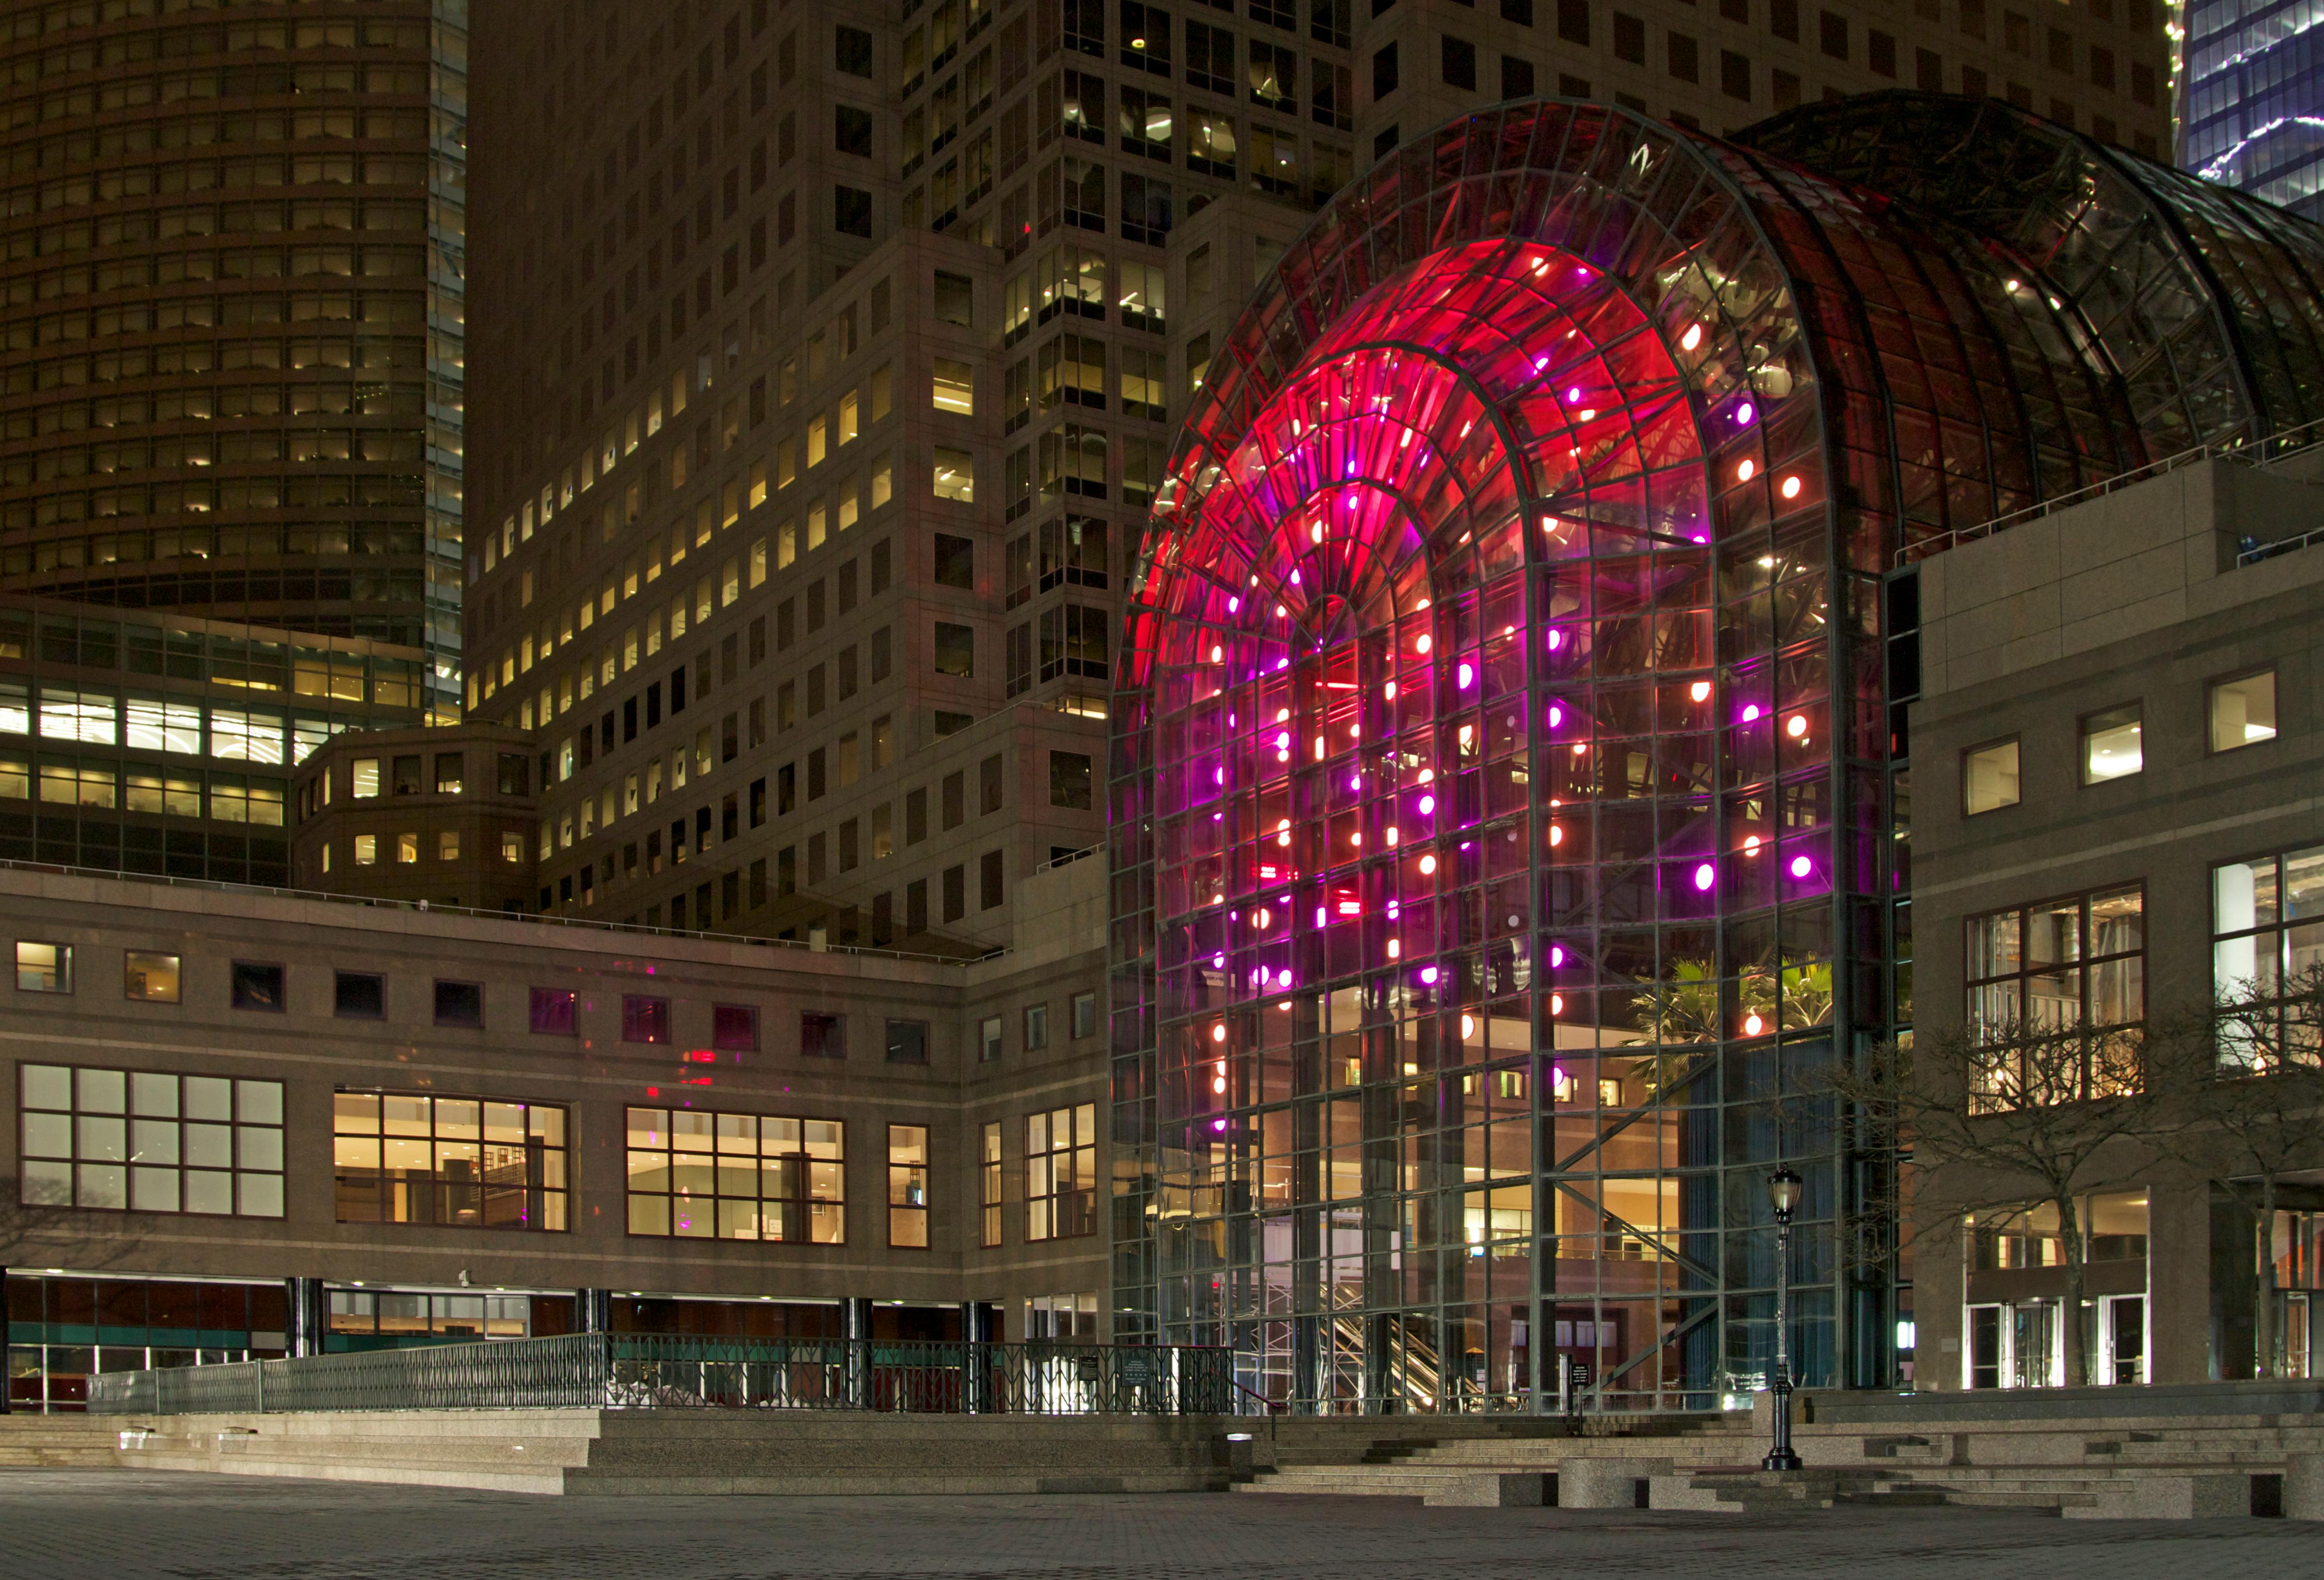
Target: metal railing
{"x": 606, "y": 1371}
{"x": 2236, "y": 444}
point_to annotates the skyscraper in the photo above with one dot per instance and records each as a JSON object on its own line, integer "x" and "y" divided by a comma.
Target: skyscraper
{"x": 2254, "y": 105}
{"x": 234, "y": 411}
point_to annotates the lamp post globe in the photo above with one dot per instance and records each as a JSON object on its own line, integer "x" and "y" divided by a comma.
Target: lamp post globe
{"x": 1784, "y": 1191}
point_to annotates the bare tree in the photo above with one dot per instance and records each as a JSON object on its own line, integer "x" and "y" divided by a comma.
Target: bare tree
{"x": 2248, "y": 1110}
{"x": 2007, "y": 1114}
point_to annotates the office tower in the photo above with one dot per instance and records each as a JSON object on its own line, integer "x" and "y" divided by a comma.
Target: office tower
{"x": 1509, "y": 819}
{"x": 2254, "y": 102}
{"x": 230, "y": 507}
{"x": 829, "y": 361}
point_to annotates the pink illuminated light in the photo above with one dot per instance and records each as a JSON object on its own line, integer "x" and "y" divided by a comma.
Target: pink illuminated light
{"x": 1705, "y": 876}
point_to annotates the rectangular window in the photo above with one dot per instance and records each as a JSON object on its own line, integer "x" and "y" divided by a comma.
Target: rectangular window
{"x": 907, "y": 1186}
{"x": 1037, "y": 1027}
{"x": 459, "y": 1004}
{"x": 2268, "y": 958}
{"x": 2242, "y": 710}
{"x": 908, "y": 1042}
{"x": 2112, "y": 748}
{"x": 2051, "y": 988}
{"x": 449, "y": 1161}
{"x": 1061, "y": 1173}
{"x": 552, "y": 1012}
{"x": 1989, "y": 777}
{"x": 734, "y": 1028}
{"x": 988, "y": 1039}
{"x": 954, "y": 388}
{"x": 822, "y": 1036}
{"x": 954, "y": 475}
{"x": 151, "y": 977}
{"x": 644, "y": 1018}
{"x": 1085, "y": 1015}
{"x": 125, "y": 1139}
{"x": 256, "y": 985}
{"x": 1070, "y": 776}
{"x": 956, "y": 650}
{"x": 43, "y": 968}
{"x": 359, "y": 996}
{"x": 988, "y": 1184}
{"x": 700, "y": 1175}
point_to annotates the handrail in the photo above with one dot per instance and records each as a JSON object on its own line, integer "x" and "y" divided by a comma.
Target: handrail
{"x": 222, "y": 885}
{"x": 2272, "y": 448}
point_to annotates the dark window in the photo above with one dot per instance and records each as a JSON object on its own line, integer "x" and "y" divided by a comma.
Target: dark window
{"x": 1069, "y": 780}
{"x": 644, "y": 1019}
{"x": 734, "y": 1028}
{"x": 989, "y": 875}
{"x": 851, "y": 51}
{"x": 850, "y": 131}
{"x": 1383, "y": 72}
{"x": 1458, "y": 63}
{"x": 449, "y": 776}
{"x": 1832, "y": 31}
{"x": 459, "y": 1004}
{"x": 988, "y": 786}
{"x": 1734, "y": 75}
{"x": 1516, "y": 78}
{"x": 552, "y": 1010}
{"x": 822, "y": 1036}
{"x": 1784, "y": 19}
{"x": 956, "y": 299}
{"x": 851, "y": 211}
{"x": 908, "y": 1042}
{"x": 956, "y": 650}
{"x": 956, "y": 800}
{"x": 405, "y": 772}
{"x": 512, "y": 774}
{"x": 1629, "y": 38}
{"x": 956, "y": 893}
{"x": 257, "y": 986}
{"x": 1573, "y": 21}
{"x": 1681, "y": 53}
{"x": 1880, "y": 51}
{"x": 359, "y": 996}
{"x": 955, "y": 562}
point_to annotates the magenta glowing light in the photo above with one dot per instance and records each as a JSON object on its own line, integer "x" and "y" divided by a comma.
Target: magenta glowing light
{"x": 1750, "y": 712}
{"x": 1468, "y": 676}
{"x": 1556, "y": 954}
{"x": 1428, "y": 975}
{"x": 1801, "y": 867}
{"x": 1705, "y": 876}
{"x": 1743, "y": 413}
{"x": 1427, "y": 804}
{"x": 1556, "y": 640}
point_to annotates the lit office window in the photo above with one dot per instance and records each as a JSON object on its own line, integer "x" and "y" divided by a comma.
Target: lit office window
{"x": 136, "y": 1141}
{"x": 2113, "y": 745}
{"x": 1989, "y": 777}
{"x": 1061, "y": 1173}
{"x": 43, "y": 968}
{"x": 698, "y": 1175}
{"x": 449, "y": 1161}
{"x": 908, "y": 1185}
{"x": 2242, "y": 710}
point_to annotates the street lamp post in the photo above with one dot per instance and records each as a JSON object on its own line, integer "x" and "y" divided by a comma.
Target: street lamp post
{"x": 1783, "y": 1192}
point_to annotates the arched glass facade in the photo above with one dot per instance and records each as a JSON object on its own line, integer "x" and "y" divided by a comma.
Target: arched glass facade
{"x": 1502, "y": 825}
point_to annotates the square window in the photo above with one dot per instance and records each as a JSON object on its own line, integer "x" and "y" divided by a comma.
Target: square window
{"x": 988, "y": 1039}
{"x": 1085, "y": 1014}
{"x": 257, "y": 986}
{"x": 733, "y": 1028}
{"x": 359, "y": 996}
{"x": 43, "y": 968}
{"x": 822, "y": 1036}
{"x": 644, "y": 1018}
{"x": 552, "y": 1010}
{"x": 459, "y": 1004}
{"x": 2242, "y": 710}
{"x": 908, "y": 1042}
{"x": 151, "y": 977}
{"x": 1037, "y": 1027}
{"x": 2112, "y": 745}
{"x": 1989, "y": 777}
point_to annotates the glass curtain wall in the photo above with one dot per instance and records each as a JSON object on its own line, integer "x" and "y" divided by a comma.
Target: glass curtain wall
{"x": 1499, "y": 793}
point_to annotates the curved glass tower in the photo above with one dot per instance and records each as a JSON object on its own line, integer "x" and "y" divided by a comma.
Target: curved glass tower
{"x": 1502, "y": 780}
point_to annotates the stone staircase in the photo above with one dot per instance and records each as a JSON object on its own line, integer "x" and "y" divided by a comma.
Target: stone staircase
{"x": 676, "y": 1452}
{"x": 57, "y": 1440}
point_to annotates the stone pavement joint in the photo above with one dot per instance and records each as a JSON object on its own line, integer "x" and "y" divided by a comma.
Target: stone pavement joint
{"x": 119, "y": 1525}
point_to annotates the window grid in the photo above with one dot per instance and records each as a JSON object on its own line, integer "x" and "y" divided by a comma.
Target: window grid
{"x": 1061, "y": 1173}
{"x": 697, "y": 1175}
{"x": 144, "y": 1142}
{"x": 449, "y": 1161}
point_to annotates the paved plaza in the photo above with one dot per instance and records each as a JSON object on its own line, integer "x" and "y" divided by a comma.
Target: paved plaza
{"x": 68, "y": 1525}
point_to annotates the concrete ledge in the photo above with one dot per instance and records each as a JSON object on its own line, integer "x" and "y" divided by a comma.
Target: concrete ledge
{"x": 1680, "y": 1493}
{"x": 1508, "y": 1489}
{"x": 2303, "y": 1486}
{"x": 1605, "y": 1484}
{"x": 2168, "y": 1497}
